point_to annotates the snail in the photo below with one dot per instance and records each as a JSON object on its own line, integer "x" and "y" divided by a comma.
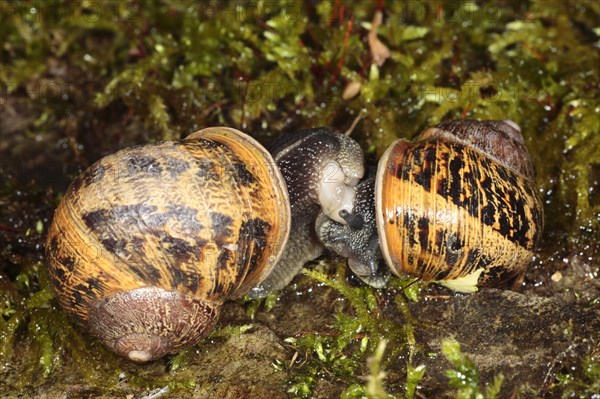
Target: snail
{"x": 458, "y": 205}
{"x": 358, "y": 242}
{"x": 149, "y": 242}
{"x": 321, "y": 169}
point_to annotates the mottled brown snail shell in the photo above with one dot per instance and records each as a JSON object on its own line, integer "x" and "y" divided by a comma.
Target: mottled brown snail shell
{"x": 458, "y": 205}
{"x": 149, "y": 242}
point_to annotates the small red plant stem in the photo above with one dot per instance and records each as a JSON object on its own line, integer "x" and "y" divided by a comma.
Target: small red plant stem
{"x": 465, "y": 111}
{"x": 343, "y": 55}
{"x": 535, "y": 53}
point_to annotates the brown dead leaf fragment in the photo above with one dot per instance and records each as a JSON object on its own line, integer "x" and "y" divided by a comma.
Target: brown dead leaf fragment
{"x": 379, "y": 51}
{"x": 351, "y": 90}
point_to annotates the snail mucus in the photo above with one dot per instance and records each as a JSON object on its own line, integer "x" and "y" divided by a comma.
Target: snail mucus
{"x": 148, "y": 243}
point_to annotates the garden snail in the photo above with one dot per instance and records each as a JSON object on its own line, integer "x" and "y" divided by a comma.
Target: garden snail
{"x": 457, "y": 205}
{"x": 321, "y": 169}
{"x": 149, "y": 242}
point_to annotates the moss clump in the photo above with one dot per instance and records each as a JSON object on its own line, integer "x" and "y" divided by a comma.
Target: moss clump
{"x": 341, "y": 352}
{"x": 465, "y": 377}
{"x": 583, "y": 384}
{"x": 49, "y": 333}
{"x": 52, "y": 342}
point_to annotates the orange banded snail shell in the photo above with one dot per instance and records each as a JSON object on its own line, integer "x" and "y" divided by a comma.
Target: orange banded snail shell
{"x": 457, "y": 205}
{"x": 149, "y": 242}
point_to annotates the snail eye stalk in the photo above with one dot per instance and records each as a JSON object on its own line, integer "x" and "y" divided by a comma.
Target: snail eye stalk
{"x": 354, "y": 221}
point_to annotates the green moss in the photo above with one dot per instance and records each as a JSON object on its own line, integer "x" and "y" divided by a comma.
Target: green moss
{"x": 581, "y": 382}
{"x": 374, "y": 388}
{"x": 343, "y": 351}
{"x": 51, "y": 338}
{"x": 465, "y": 376}
{"x": 365, "y": 305}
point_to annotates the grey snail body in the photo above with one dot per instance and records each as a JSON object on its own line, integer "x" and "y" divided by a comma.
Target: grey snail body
{"x": 321, "y": 169}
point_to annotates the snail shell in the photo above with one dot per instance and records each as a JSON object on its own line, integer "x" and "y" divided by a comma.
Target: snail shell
{"x": 149, "y": 242}
{"x": 457, "y": 205}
